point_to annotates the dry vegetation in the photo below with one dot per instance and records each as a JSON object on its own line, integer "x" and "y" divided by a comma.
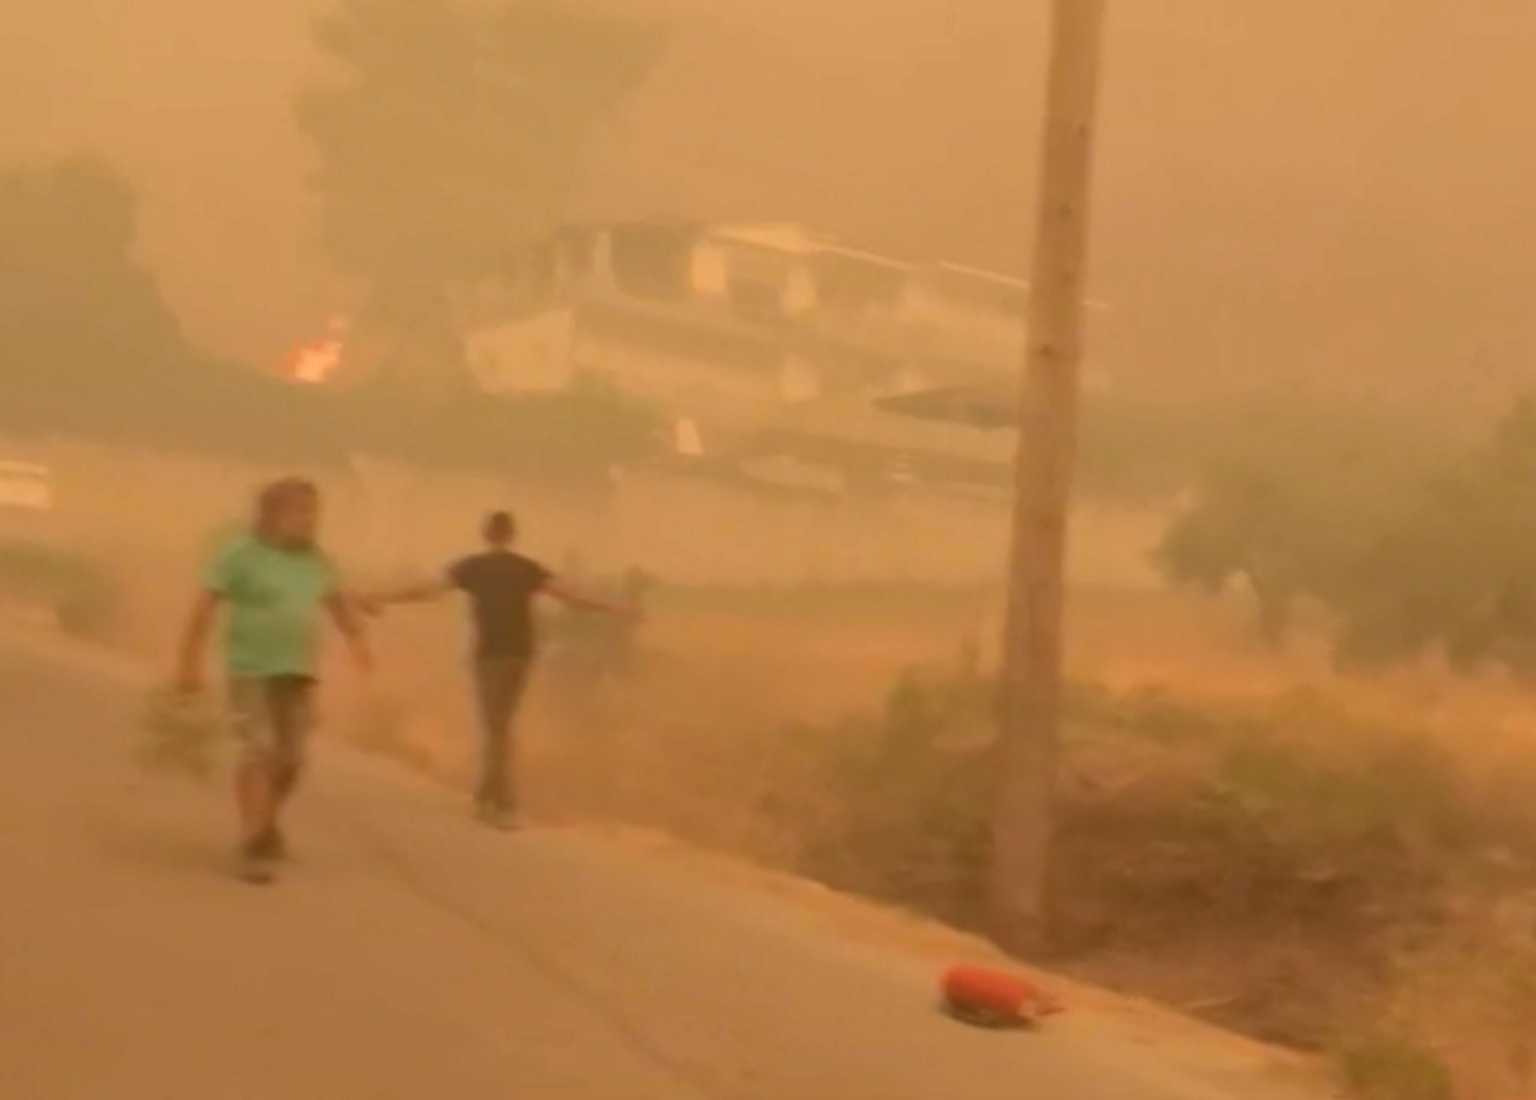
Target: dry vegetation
{"x": 1338, "y": 865}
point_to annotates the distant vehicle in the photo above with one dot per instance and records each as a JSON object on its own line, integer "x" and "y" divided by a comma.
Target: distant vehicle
{"x": 39, "y": 566}
{"x": 25, "y": 486}
{"x": 28, "y": 503}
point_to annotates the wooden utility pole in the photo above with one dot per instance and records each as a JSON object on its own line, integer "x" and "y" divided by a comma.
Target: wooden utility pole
{"x": 1030, "y": 696}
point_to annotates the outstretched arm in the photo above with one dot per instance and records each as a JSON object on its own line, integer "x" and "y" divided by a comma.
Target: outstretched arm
{"x": 344, "y": 615}
{"x": 193, "y": 652}
{"x": 570, "y": 597}
{"x": 424, "y": 592}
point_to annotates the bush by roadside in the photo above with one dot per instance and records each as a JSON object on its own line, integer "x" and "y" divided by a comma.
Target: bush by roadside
{"x": 1290, "y": 870}
{"x": 81, "y": 594}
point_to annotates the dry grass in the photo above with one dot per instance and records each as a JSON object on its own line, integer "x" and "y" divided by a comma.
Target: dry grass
{"x": 1356, "y": 920}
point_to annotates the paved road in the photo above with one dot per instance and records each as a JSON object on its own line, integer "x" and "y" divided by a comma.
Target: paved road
{"x": 410, "y": 955}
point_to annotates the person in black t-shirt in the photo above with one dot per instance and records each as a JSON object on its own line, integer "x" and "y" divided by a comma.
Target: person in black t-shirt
{"x": 500, "y": 585}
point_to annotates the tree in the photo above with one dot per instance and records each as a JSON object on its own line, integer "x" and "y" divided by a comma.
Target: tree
{"x": 1457, "y": 571}
{"x": 1292, "y": 501}
{"x": 82, "y": 323}
{"x": 1411, "y": 549}
{"x": 450, "y": 143}
{"x": 1248, "y": 527}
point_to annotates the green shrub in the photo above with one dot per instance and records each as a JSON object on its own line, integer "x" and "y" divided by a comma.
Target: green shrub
{"x": 1364, "y": 793}
{"x": 1385, "y": 1068}
{"x": 1289, "y": 813}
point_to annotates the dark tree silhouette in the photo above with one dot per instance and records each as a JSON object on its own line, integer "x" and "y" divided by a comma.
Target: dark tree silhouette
{"x": 450, "y": 137}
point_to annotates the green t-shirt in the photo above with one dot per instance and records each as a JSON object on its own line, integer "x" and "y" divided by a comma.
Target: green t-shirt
{"x": 274, "y": 597}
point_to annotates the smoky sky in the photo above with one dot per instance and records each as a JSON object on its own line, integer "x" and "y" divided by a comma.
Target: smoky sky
{"x": 1340, "y": 193}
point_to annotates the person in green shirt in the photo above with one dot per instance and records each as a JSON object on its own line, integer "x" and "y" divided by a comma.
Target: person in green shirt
{"x": 273, "y": 583}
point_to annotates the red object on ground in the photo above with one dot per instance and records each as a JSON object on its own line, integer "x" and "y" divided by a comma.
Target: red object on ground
{"x": 993, "y": 998}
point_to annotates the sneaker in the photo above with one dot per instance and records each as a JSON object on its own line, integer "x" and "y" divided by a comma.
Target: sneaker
{"x": 497, "y": 817}
{"x": 252, "y": 868}
{"x": 270, "y": 845}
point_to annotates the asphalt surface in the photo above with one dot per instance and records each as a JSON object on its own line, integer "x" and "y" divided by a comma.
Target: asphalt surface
{"x": 410, "y": 954}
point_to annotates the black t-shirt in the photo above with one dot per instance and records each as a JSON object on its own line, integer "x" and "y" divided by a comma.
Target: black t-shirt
{"x": 501, "y": 586}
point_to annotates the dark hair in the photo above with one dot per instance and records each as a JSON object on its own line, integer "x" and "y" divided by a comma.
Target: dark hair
{"x": 499, "y": 528}
{"x": 276, "y": 497}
